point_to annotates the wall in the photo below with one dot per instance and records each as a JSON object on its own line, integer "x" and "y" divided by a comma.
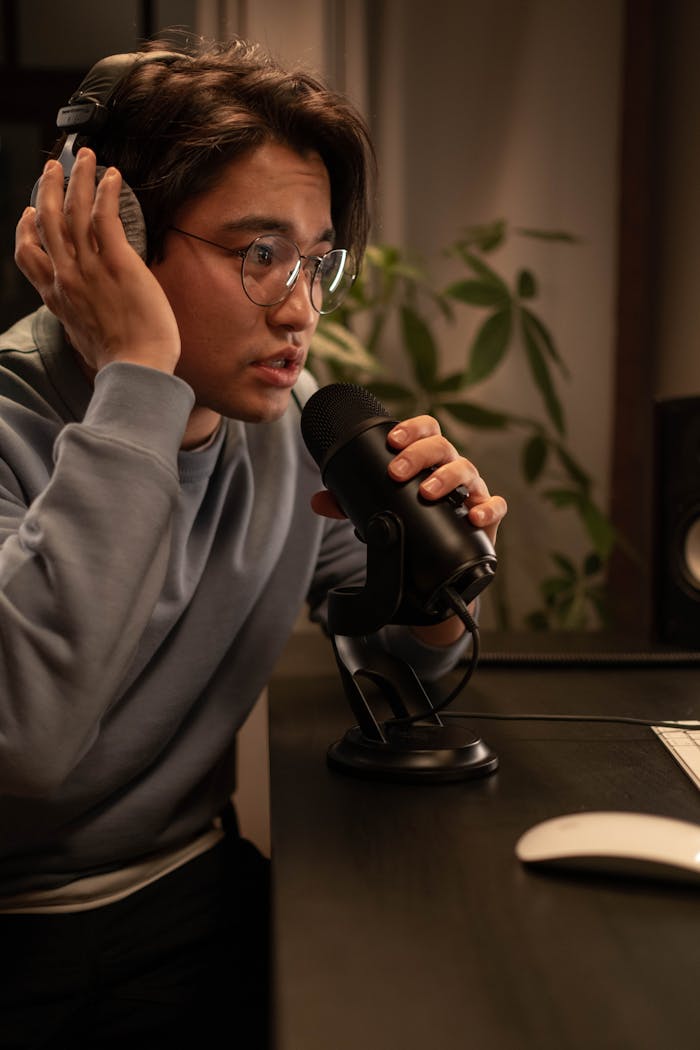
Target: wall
{"x": 511, "y": 110}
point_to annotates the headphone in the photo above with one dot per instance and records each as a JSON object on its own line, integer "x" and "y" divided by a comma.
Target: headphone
{"x": 88, "y": 111}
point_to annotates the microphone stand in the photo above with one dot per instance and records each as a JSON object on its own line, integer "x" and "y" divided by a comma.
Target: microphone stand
{"x": 414, "y": 745}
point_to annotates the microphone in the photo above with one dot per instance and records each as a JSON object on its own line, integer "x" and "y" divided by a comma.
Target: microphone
{"x": 424, "y": 561}
{"x": 345, "y": 429}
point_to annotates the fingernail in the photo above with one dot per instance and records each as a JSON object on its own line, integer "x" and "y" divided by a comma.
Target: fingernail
{"x": 400, "y": 468}
{"x": 49, "y": 166}
{"x": 432, "y": 486}
{"x": 479, "y": 515}
{"x": 399, "y": 435}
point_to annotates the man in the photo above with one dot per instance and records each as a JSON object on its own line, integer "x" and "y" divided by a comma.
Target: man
{"x": 158, "y": 539}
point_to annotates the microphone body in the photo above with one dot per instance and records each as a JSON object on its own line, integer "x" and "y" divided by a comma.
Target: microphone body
{"x": 345, "y": 429}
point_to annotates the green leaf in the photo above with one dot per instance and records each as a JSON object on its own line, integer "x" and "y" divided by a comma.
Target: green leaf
{"x": 535, "y": 453}
{"x": 381, "y": 256}
{"x": 570, "y": 614}
{"x": 485, "y": 236}
{"x": 555, "y": 587}
{"x": 566, "y": 565}
{"x": 475, "y": 415}
{"x": 449, "y": 384}
{"x": 443, "y": 304}
{"x": 549, "y": 235}
{"x": 485, "y": 272}
{"x": 592, "y": 564}
{"x": 489, "y": 346}
{"x": 336, "y": 343}
{"x": 542, "y": 335}
{"x": 434, "y": 410}
{"x": 563, "y": 497}
{"x": 478, "y": 293}
{"x": 390, "y": 391}
{"x": 598, "y": 597}
{"x": 527, "y": 284}
{"x": 358, "y": 299}
{"x": 542, "y": 378}
{"x": 599, "y": 528}
{"x": 572, "y": 468}
{"x": 597, "y": 525}
{"x": 420, "y": 346}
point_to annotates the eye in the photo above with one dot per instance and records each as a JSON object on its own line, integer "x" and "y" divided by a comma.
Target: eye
{"x": 262, "y": 254}
{"x": 328, "y": 264}
{"x": 335, "y": 265}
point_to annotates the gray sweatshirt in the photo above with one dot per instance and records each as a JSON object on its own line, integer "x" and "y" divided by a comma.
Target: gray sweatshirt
{"x": 145, "y": 596}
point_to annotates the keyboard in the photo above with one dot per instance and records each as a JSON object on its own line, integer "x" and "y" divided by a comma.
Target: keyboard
{"x": 684, "y": 745}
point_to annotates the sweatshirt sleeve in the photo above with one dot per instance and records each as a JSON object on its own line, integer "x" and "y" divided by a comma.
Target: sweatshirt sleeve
{"x": 81, "y": 568}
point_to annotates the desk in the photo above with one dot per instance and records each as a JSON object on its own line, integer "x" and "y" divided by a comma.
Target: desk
{"x": 402, "y": 918}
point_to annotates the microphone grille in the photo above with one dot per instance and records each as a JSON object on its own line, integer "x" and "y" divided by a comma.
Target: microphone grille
{"x": 333, "y": 413}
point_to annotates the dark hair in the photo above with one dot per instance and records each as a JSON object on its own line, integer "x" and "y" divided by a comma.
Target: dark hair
{"x": 175, "y": 123}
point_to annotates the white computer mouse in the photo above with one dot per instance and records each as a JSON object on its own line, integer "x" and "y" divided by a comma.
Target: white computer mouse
{"x": 616, "y": 843}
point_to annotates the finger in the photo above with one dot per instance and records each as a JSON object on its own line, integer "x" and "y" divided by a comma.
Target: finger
{"x": 422, "y": 454}
{"x": 106, "y": 222}
{"x": 410, "y": 430}
{"x": 489, "y": 514}
{"x": 458, "y": 472}
{"x": 30, "y": 257}
{"x": 50, "y": 220}
{"x": 78, "y": 202}
{"x": 324, "y": 503}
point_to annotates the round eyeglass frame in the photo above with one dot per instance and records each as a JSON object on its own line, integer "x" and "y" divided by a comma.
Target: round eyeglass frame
{"x": 302, "y": 263}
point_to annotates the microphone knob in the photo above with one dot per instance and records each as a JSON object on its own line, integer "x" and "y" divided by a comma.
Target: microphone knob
{"x": 382, "y": 531}
{"x": 456, "y": 500}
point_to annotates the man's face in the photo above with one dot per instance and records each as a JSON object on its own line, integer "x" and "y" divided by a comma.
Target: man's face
{"x": 241, "y": 359}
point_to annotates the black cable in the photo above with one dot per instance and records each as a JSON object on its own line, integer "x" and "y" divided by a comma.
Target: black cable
{"x": 600, "y": 658}
{"x": 623, "y": 719}
{"x": 462, "y": 611}
{"x": 460, "y": 607}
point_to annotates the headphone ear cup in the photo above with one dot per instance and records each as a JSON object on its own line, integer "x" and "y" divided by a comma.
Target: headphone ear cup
{"x": 129, "y": 212}
{"x": 131, "y": 216}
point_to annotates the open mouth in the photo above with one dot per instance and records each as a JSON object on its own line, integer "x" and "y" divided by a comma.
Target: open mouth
{"x": 280, "y": 363}
{"x": 285, "y": 361}
{"x": 283, "y": 368}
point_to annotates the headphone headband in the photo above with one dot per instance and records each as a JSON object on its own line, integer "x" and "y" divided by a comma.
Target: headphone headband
{"x": 87, "y": 108}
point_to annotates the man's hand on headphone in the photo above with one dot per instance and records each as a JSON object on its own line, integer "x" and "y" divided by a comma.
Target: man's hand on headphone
{"x": 73, "y": 249}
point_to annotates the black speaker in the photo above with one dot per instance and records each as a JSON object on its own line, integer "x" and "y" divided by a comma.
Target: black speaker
{"x": 676, "y": 549}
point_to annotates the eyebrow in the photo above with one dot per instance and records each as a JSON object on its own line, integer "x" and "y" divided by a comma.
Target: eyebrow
{"x": 271, "y": 224}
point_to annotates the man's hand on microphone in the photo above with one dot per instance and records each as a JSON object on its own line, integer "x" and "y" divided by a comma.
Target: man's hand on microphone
{"x": 420, "y": 445}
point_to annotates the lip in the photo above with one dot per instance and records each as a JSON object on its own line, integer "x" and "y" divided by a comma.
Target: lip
{"x": 281, "y": 368}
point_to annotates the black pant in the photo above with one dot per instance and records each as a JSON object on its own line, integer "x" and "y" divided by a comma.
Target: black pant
{"x": 181, "y": 963}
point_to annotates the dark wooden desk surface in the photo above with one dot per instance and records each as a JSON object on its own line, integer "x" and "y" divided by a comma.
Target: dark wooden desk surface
{"x": 402, "y": 918}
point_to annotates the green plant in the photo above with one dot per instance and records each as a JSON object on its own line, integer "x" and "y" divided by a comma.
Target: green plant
{"x": 394, "y": 297}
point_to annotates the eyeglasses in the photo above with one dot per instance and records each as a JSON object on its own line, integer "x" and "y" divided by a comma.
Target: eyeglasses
{"x": 272, "y": 264}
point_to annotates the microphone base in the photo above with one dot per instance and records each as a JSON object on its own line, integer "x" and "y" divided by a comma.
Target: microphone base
{"x": 417, "y": 752}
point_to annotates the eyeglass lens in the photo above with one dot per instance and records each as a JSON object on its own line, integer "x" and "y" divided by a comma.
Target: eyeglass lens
{"x": 272, "y": 265}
